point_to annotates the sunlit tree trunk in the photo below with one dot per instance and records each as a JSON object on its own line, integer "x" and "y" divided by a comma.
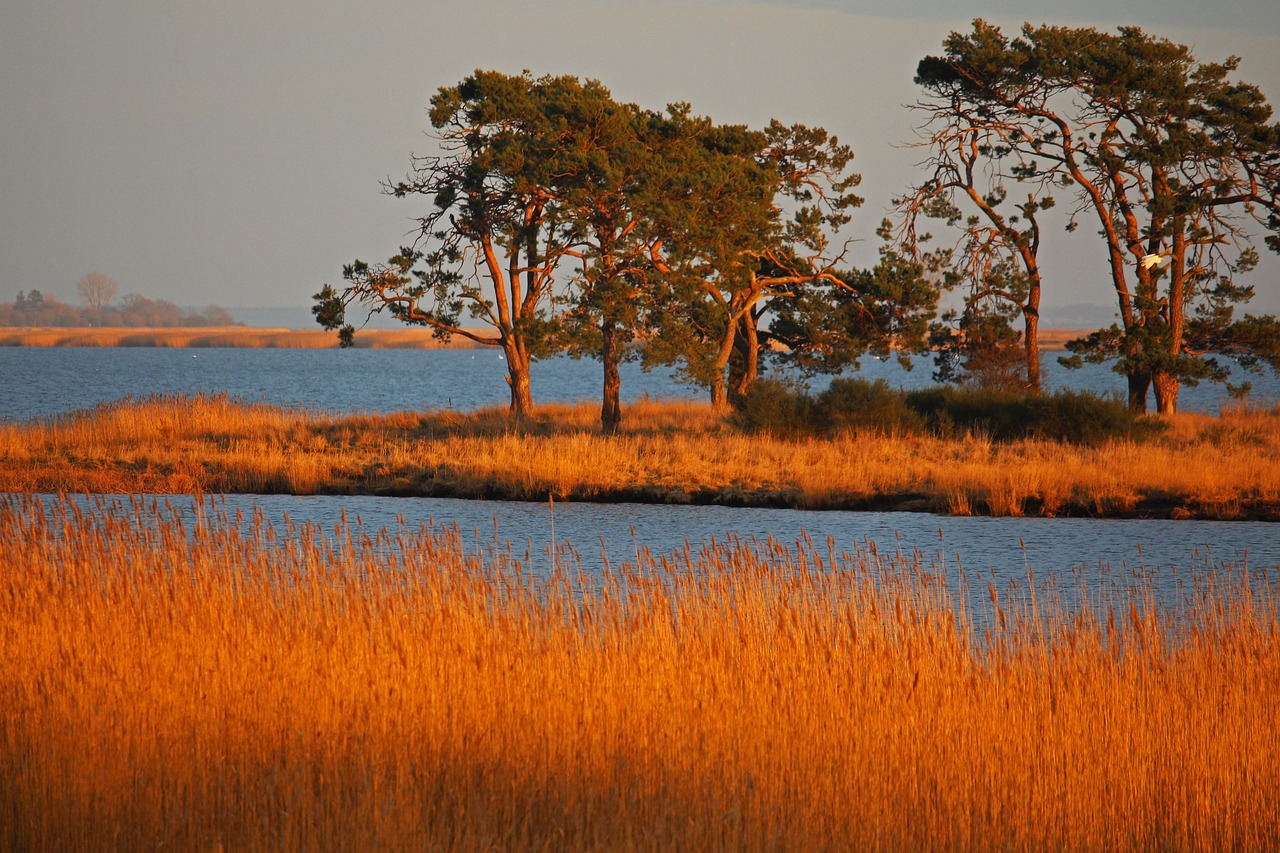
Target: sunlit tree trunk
{"x": 1166, "y": 386}
{"x": 518, "y": 377}
{"x": 610, "y": 408}
{"x": 744, "y": 369}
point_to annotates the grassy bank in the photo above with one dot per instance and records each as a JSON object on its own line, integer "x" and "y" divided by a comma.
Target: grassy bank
{"x": 1198, "y": 466}
{"x": 203, "y": 684}
{"x": 221, "y": 336}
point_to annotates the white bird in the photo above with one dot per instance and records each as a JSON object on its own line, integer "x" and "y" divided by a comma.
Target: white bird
{"x": 1149, "y": 261}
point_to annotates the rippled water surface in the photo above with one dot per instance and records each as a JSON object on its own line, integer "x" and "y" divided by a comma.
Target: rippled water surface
{"x": 1098, "y": 553}
{"x": 39, "y": 382}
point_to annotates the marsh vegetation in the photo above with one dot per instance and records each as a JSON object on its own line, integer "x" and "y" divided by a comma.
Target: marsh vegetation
{"x": 672, "y": 452}
{"x": 206, "y": 681}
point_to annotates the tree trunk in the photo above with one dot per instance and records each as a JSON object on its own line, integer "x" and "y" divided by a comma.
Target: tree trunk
{"x": 744, "y": 369}
{"x": 719, "y": 393}
{"x": 1167, "y": 387}
{"x": 518, "y": 379}
{"x": 1031, "y": 341}
{"x": 1138, "y": 385}
{"x": 610, "y": 408}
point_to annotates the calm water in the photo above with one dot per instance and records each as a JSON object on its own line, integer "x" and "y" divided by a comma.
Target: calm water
{"x": 40, "y": 382}
{"x": 1100, "y": 553}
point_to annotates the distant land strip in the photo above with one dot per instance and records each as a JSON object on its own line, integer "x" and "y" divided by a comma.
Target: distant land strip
{"x": 249, "y": 337}
{"x": 222, "y": 336}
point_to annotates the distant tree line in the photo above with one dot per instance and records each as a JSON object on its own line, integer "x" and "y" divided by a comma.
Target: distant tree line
{"x": 33, "y": 308}
{"x": 567, "y": 222}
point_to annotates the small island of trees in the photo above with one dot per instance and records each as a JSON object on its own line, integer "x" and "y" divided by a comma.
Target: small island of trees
{"x": 564, "y": 221}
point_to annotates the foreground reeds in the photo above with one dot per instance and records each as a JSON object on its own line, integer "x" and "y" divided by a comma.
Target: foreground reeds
{"x": 187, "y": 681}
{"x": 680, "y": 452}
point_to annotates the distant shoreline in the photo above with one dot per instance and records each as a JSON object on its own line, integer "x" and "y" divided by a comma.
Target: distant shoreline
{"x": 249, "y": 337}
{"x": 222, "y": 337}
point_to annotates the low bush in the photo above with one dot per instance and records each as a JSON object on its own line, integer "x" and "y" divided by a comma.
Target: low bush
{"x": 783, "y": 409}
{"x": 776, "y": 407}
{"x": 1070, "y": 416}
{"x": 859, "y": 404}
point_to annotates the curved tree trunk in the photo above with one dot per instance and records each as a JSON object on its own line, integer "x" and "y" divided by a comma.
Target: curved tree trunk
{"x": 719, "y": 392}
{"x": 610, "y": 408}
{"x": 744, "y": 369}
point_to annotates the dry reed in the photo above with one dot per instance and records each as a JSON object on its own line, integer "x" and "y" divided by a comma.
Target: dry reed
{"x": 1211, "y": 467}
{"x": 184, "y": 680}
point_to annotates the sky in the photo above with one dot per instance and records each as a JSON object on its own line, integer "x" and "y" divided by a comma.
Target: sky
{"x": 230, "y": 152}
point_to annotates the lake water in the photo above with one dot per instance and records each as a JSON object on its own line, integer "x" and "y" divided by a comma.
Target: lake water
{"x": 40, "y": 382}
{"x": 45, "y": 382}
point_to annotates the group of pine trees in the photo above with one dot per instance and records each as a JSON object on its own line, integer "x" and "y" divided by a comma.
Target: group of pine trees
{"x": 559, "y": 220}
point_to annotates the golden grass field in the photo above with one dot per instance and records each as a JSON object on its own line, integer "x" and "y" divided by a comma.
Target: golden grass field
{"x": 173, "y": 679}
{"x": 219, "y": 336}
{"x": 1199, "y": 466}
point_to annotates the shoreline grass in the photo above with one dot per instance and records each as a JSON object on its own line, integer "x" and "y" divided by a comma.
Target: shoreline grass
{"x": 192, "y": 681}
{"x": 1225, "y": 467}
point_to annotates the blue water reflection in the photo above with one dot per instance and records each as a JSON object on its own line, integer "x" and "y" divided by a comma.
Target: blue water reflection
{"x": 40, "y": 382}
{"x": 1097, "y": 552}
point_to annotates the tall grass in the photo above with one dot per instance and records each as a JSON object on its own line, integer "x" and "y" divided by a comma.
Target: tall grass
{"x": 188, "y": 681}
{"x": 1214, "y": 467}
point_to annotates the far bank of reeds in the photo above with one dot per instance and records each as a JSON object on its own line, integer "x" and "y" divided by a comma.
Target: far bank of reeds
{"x": 247, "y": 336}
{"x": 221, "y": 336}
{"x": 187, "y": 681}
{"x": 1199, "y": 466}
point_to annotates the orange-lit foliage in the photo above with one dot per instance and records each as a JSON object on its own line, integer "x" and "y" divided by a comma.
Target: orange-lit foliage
{"x": 184, "y": 681}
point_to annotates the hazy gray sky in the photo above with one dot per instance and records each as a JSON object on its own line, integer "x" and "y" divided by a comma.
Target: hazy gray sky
{"x": 229, "y": 152}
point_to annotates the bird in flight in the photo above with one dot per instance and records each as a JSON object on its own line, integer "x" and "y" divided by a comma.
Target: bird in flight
{"x": 1149, "y": 261}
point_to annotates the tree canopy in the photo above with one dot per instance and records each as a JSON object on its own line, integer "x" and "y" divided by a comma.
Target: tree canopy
{"x": 564, "y": 220}
{"x": 1170, "y": 157}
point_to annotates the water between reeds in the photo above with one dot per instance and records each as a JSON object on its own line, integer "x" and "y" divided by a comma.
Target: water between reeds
{"x": 1099, "y": 554}
{"x": 44, "y": 382}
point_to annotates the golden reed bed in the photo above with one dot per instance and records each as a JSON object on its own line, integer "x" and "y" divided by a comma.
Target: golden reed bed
{"x": 221, "y": 336}
{"x": 181, "y": 680}
{"x": 679, "y": 452}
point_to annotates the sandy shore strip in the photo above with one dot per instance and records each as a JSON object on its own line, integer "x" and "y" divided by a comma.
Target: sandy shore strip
{"x": 223, "y": 336}
{"x": 249, "y": 337}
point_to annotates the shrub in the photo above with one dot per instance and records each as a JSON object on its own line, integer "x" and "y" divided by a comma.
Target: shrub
{"x": 1083, "y": 418}
{"x": 783, "y": 409}
{"x": 776, "y": 407}
{"x": 1071, "y": 416}
{"x": 859, "y": 404}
